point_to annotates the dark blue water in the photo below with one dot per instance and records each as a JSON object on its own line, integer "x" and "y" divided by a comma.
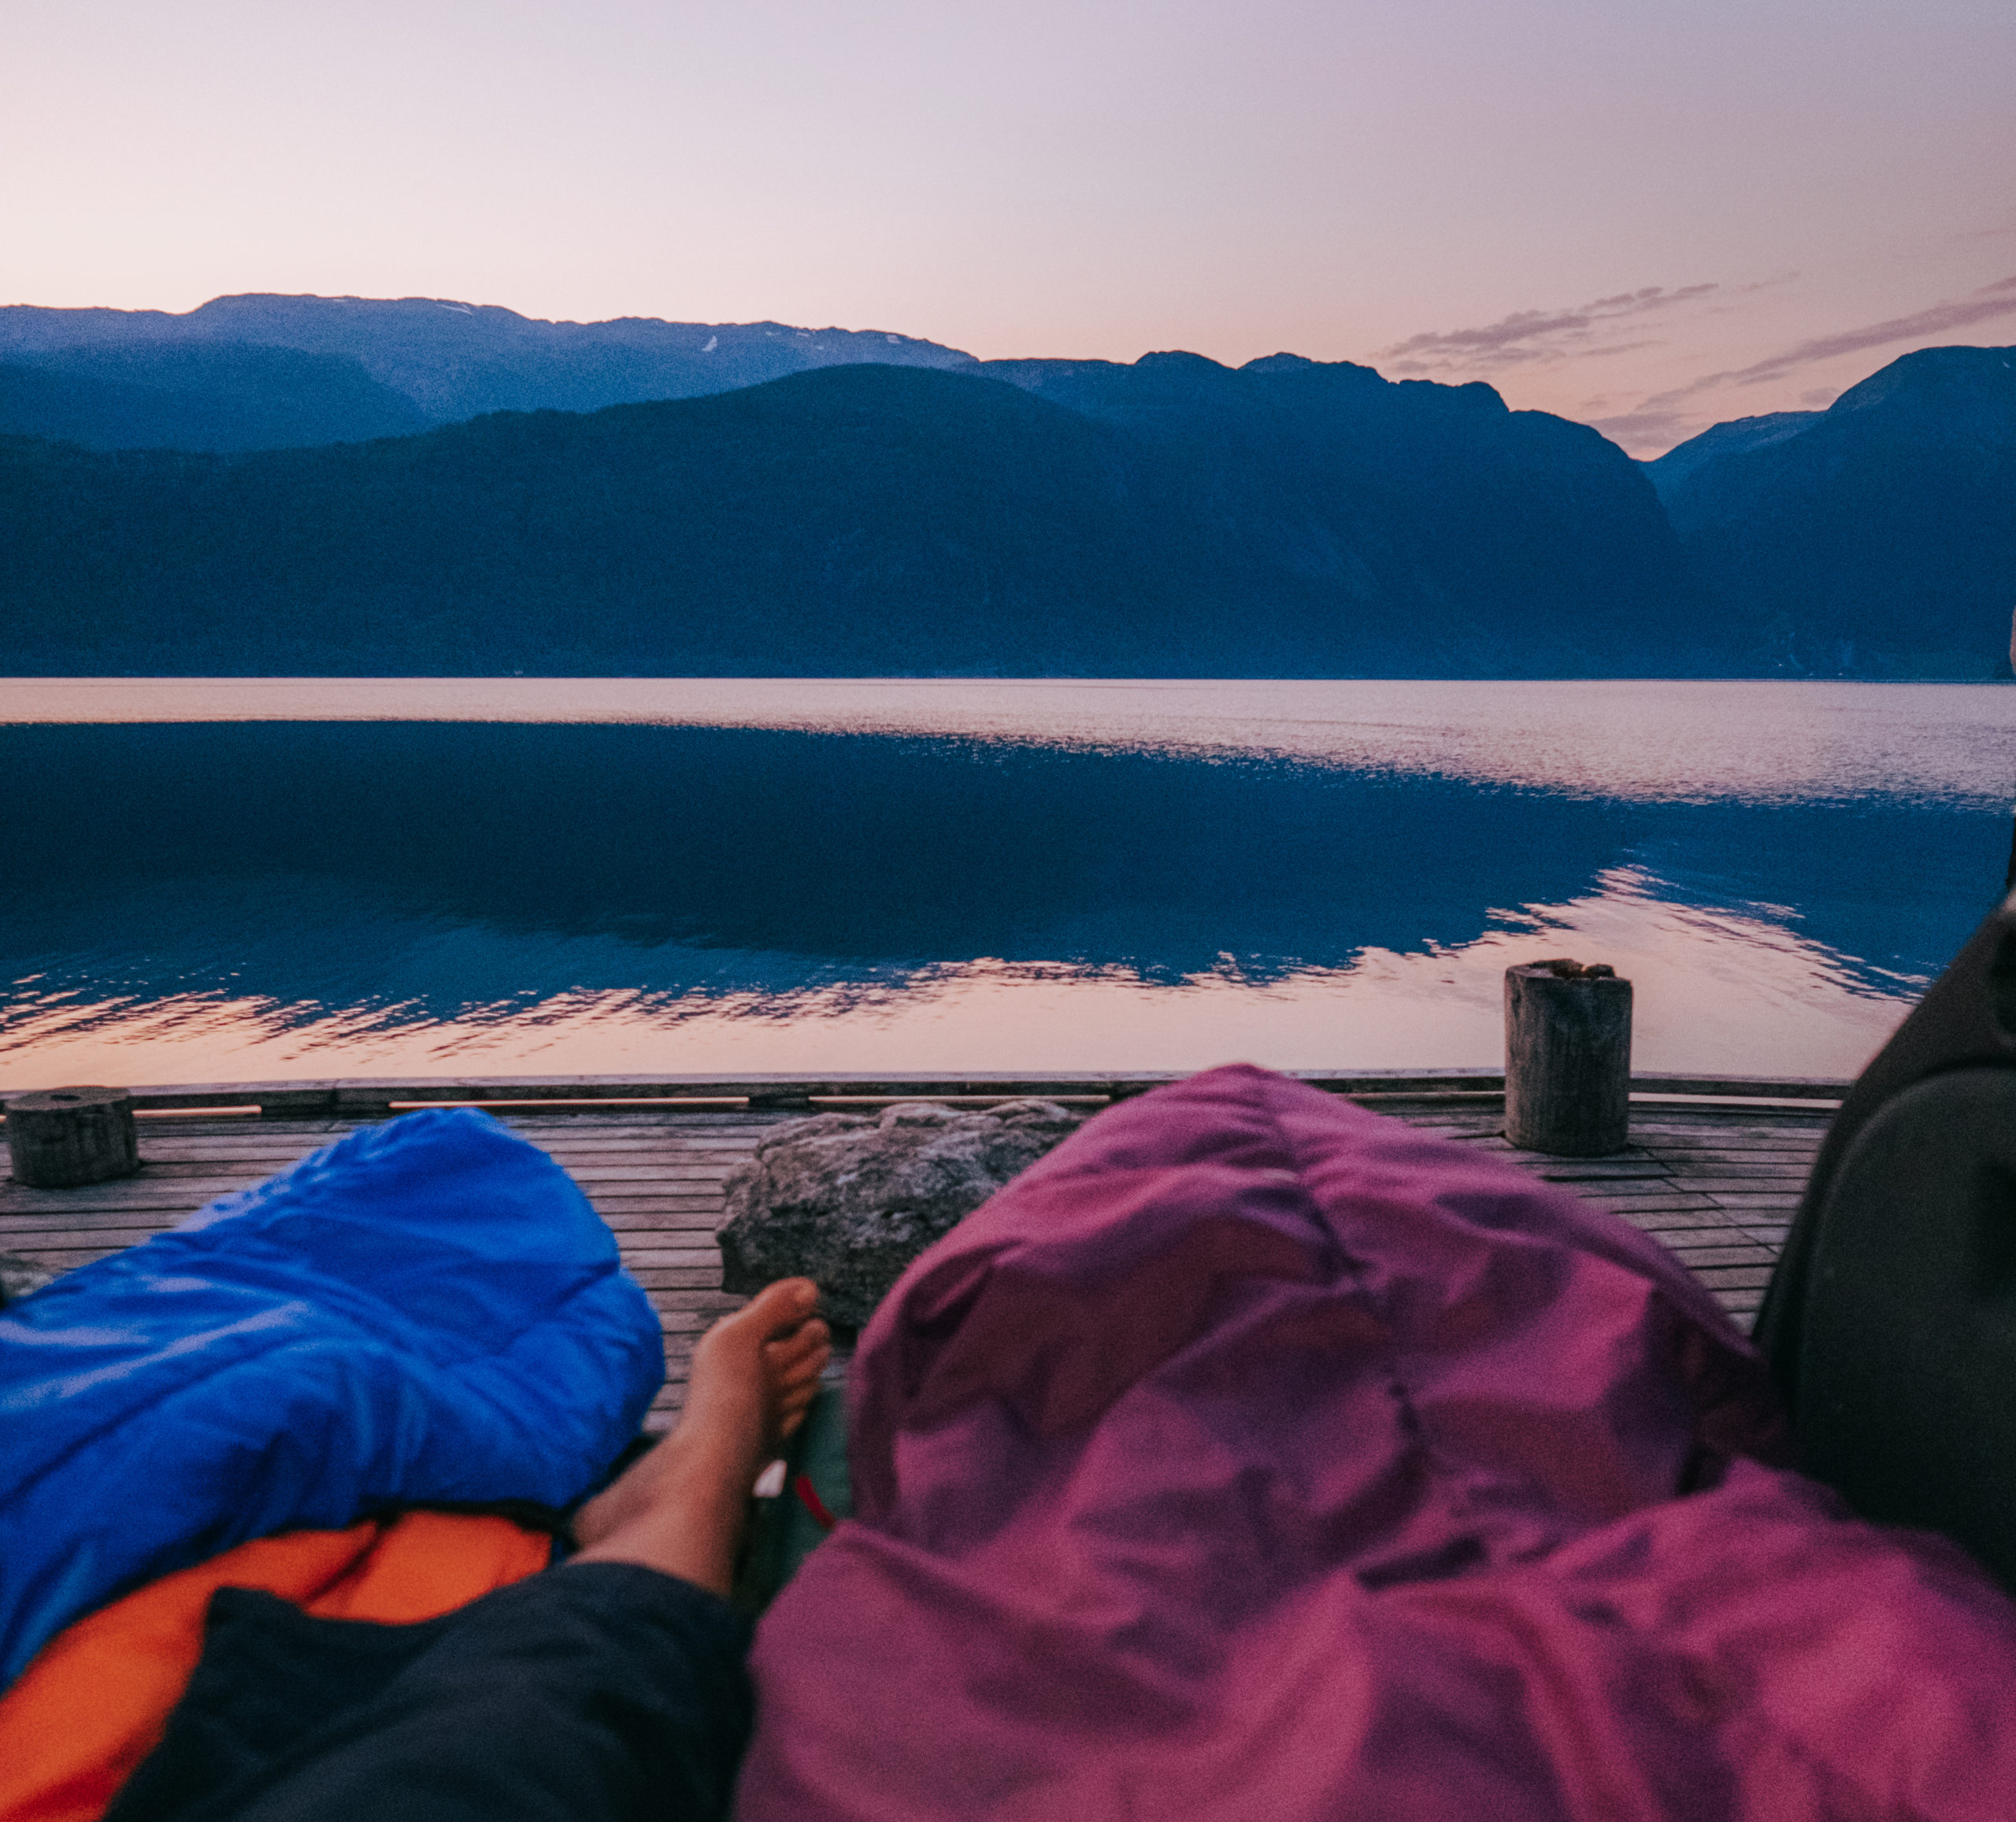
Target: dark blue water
{"x": 177, "y": 899}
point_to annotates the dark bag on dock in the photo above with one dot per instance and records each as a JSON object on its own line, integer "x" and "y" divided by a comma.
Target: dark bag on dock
{"x": 1890, "y": 1320}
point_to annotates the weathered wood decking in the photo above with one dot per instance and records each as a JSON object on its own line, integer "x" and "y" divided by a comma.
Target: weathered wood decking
{"x": 1715, "y": 1180}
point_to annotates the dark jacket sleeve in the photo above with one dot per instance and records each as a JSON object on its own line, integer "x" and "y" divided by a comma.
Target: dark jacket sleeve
{"x": 596, "y": 1693}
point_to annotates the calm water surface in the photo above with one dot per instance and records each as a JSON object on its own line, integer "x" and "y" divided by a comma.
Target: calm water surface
{"x": 217, "y": 880}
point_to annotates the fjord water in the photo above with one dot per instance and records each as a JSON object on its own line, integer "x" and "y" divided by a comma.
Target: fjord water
{"x": 232, "y": 880}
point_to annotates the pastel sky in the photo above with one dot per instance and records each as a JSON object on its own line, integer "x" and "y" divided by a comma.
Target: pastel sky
{"x": 1649, "y": 215}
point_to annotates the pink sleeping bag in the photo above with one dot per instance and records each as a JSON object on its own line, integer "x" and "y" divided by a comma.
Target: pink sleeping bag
{"x": 1254, "y": 1456}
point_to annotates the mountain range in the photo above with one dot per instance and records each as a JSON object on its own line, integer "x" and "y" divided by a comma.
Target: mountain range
{"x": 348, "y": 485}
{"x": 1875, "y": 537}
{"x": 446, "y": 361}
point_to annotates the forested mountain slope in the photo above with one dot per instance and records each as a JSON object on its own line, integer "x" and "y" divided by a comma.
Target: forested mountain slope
{"x": 1175, "y": 518}
{"x": 1878, "y": 538}
{"x": 200, "y": 395}
{"x": 354, "y": 484}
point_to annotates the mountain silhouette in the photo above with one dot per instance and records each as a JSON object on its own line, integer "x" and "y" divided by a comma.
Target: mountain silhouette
{"x": 455, "y": 361}
{"x": 1171, "y": 518}
{"x": 1668, "y": 471}
{"x": 198, "y": 395}
{"x": 416, "y": 484}
{"x": 1875, "y": 539}
{"x": 1505, "y": 528}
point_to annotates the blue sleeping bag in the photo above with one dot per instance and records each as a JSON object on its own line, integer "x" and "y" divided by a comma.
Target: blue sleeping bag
{"x": 426, "y": 1311}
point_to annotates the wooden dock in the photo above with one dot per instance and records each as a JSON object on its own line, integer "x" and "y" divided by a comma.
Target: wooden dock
{"x": 1714, "y": 1171}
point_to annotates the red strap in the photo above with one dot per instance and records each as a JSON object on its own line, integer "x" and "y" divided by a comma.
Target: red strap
{"x": 809, "y": 1496}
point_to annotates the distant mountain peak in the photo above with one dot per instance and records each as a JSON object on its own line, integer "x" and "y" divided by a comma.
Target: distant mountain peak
{"x": 1938, "y": 378}
{"x": 1875, "y": 539}
{"x": 455, "y": 360}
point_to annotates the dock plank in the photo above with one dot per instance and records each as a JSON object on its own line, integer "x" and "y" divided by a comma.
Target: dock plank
{"x": 1714, "y": 1184}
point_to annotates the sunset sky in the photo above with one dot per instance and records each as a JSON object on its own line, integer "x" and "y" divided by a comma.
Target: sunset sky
{"x": 1650, "y": 216}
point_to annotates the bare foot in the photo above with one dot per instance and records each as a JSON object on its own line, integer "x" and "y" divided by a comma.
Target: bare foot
{"x": 681, "y": 1508}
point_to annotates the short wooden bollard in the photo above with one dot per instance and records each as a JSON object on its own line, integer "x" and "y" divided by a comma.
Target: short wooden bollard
{"x": 68, "y": 1137}
{"x": 1567, "y": 1058}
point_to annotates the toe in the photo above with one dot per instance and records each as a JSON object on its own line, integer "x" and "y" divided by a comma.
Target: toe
{"x": 787, "y": 1350}
{"x": 803, "y": 1382}
{"x": 777, "y": 1309}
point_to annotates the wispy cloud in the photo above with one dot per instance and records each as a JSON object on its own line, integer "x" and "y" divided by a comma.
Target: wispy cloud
{"x": 1617, "y": 325}
{"x": 1665, "y": 417}
{"x": 1537, "y": 336}
{"x": 1986, "y": 305}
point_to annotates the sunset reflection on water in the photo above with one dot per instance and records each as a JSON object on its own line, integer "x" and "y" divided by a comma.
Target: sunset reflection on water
{"x": 922, "y": 877}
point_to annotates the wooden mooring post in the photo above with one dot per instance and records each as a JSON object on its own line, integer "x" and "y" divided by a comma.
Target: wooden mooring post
{"x": 68, "y": 1137}
{"x": 1567, "y": 1058}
